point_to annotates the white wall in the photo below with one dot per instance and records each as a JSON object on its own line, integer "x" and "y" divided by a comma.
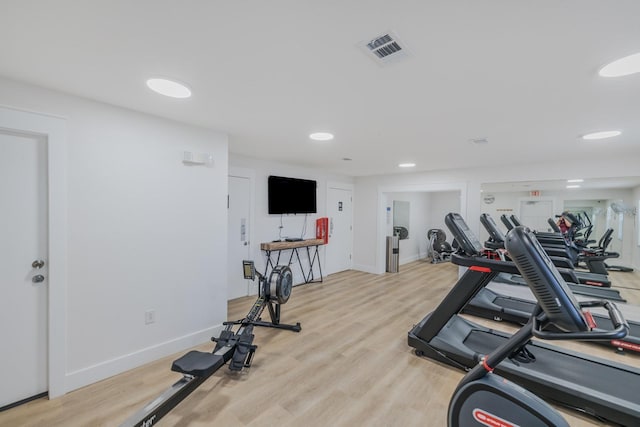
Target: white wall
{"x": 145, "y": 232}
{"x": 369, "y": 242}
{"x": 265, "y": 227}
{"x": 441, "y": 203}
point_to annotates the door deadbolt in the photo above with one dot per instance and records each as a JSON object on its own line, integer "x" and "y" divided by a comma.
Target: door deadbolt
{"x": 37, "y": 279}
{"x": 37, "y": 263}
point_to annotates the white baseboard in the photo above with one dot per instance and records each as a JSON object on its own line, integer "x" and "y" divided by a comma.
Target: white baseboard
{"x": 108, "y": 368}
{"x": 366, "y": 268}
{"x": 409, "y": 259}
{"x": 374, "y": 270}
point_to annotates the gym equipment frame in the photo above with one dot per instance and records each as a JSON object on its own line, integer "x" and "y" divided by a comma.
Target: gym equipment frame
{"x": 483, "y": 397}
{"x": 597, "y": 386}
{"x": 237, "y": 347}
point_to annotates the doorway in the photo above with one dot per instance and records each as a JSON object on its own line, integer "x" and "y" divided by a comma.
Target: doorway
{"x": 454, "y": 198}
{"x": 239, "y": 227}
{"x": 49, "y": 132}
{"x": 535, "y": 213}
{"x": 24, "y": 266}
{"x": 338, "y": 253}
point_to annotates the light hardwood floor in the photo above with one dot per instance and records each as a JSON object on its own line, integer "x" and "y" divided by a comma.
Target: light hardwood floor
{"x": 349, "y": 366}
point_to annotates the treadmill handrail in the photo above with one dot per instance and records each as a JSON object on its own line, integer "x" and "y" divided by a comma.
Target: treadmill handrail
{"x": 621, "y": 327}
{"x": 494, "y": 265}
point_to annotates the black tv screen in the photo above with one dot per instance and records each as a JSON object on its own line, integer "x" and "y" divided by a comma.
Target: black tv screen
{"x": 291, "y": 195}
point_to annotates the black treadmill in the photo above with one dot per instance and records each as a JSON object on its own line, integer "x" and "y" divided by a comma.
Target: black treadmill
{"x": 580, "y": 283}
{"x": 555, "y": 243}
{"x": 592, "y": 385}
{"x": 499, "y": 301}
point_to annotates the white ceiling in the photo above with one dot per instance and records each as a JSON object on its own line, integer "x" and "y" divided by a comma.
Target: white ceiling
{"x": 522, "y": 74}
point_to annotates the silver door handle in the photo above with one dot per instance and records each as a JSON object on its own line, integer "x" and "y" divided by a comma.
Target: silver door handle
{"x": 37, "y": 263}
{"x": 37, "y": 279}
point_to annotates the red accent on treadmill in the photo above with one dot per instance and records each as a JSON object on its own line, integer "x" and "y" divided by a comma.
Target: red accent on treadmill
{"x": 593, "y": 283}
{"x": 485, "y": 365}
{"x": 590, "y": 320}
{"x": 480, "y": 269}
{"x": 626, "y": 345}
{"x": 491, "y": 254}
{"x": 490, "y": 420}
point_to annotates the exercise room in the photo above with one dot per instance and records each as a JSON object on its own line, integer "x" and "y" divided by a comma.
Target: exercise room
{"x": 331, "y": 214}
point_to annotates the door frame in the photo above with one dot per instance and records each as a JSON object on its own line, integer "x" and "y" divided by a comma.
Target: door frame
{"x": 53, "y": 130}
{"x": 339, "y": 186}
{"x": 553, "y": 200}
{"x": 249, "y": 174}
{"x": 462, "y": 187}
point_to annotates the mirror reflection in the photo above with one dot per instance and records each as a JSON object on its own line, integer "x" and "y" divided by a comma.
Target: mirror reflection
{"x": 596, "y": 205}
{"x": 600, "y": 204}
{"x": 602, "y": 212}
{"x": 401, "y": 211}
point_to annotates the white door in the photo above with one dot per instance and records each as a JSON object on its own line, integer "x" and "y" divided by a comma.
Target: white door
{"x": 535, "y": 214}
{"x": 238, "y": 233}
{"x": 23, "y": 242}
{"x": 339, "y": 210}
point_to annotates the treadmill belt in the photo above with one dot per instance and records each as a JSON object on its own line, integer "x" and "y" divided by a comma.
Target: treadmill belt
{"x": 515, "y": 304}
{"x": 566, "y": 366}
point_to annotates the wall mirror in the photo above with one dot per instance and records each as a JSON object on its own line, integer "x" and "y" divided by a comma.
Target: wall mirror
{"x": 602, "y": 203}
{"x": 401, "y": 219}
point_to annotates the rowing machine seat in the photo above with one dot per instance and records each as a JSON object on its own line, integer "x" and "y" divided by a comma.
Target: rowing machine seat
{"x": 198, "y": 363}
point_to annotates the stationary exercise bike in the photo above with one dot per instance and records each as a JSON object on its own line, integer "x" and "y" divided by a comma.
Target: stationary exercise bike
{"x": 235, "y": 347}
{"x": 485, "y": 399}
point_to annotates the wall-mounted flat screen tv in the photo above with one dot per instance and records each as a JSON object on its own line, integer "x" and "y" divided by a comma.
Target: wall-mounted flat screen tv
{"x": 291, "y": 195}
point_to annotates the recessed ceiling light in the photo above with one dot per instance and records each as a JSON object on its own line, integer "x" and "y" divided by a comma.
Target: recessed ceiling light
{"x": 573, "y": 186}
{"x": 321, "y": 136}
{"x": 406, "y": 165}
{"x": 169, "y": 88}
{"x": 602, "y": 135}
{"x": 575, "y": 180}
{"x": 622, "y": 67}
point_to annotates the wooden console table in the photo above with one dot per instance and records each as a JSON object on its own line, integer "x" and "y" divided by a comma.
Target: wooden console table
{"x": 271, "y": 248}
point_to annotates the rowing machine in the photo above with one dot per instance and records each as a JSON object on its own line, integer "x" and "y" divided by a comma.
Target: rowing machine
{"x": 234, "y": 346}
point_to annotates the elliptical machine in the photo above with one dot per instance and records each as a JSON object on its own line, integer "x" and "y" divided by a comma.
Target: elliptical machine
{"x": 234, "y": 346}
{"x": 483, "y": 398}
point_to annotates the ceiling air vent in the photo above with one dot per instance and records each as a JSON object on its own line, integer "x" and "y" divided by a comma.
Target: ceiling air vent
{"x": 384, "y": 48}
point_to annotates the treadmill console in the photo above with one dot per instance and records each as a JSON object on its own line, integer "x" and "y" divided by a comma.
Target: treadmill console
{"x": 463, "y": 234}
{"x": 515, "y": 220}
{"x": 506, "y": 221}
{"x": 492, "y": 228}
{"x": 545, "y": 281}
